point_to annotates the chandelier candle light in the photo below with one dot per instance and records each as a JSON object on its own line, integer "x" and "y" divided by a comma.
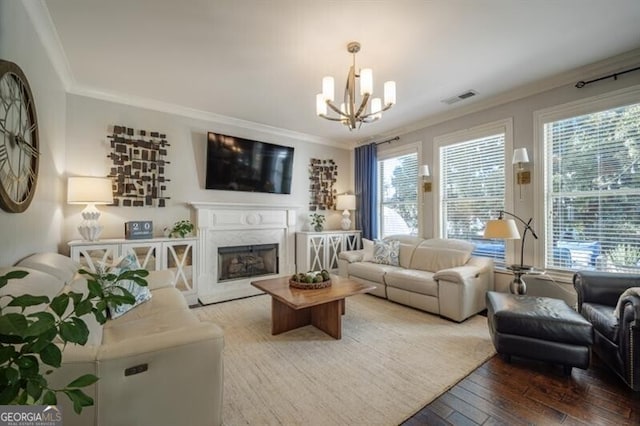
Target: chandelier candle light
{"x": 90, "y": 191}
{"x": 351, "y": 113}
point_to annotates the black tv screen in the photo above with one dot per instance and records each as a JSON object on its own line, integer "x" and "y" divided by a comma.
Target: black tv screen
{"x": 236, "y": 164}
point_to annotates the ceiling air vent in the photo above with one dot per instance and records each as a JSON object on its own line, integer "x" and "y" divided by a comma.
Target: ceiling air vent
{"x": 461, "y": 97}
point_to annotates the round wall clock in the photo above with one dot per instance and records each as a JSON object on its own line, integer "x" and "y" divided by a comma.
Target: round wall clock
{"x": 18, "y": 140}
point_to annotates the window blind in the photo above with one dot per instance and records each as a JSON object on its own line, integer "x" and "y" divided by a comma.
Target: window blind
{"x": 398, "y": 189}
{"x": 472, "y": 187}
{"x": 592, "y": 191}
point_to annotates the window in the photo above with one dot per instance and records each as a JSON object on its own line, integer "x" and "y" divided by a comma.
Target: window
{"x": 592, "y": 189}
{"x": 398, "y": 192}
{"x": 472, "y": 184}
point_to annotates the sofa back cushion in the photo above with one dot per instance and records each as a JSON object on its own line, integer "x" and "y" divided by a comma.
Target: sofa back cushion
{"x": 408, "y": 244}
{"x": 36, "y": 283}
{"x": 61, "y": 267}
{"x": 437, "y": 254}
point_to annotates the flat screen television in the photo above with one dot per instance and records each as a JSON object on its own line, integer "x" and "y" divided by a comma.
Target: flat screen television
{"x": 237, "y": 164}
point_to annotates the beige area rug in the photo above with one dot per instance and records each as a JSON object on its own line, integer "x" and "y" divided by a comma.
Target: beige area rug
{"x": 391, "y": 361}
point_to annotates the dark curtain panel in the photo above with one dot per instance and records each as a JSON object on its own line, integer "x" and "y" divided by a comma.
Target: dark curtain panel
{"x": 366, "y": 177}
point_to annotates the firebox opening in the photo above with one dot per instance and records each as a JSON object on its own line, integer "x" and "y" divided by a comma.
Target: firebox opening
{"x": 247, "y": 261}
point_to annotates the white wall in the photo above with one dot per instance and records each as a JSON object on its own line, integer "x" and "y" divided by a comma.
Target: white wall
{"x": 89, "y": 121}
{"x": 521, "y": 111}
{"x": 39, "y": 228}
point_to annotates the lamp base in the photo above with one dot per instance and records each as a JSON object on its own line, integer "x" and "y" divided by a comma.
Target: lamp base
{"x": 345, "y": 223}
{"x": 89, "y": 228}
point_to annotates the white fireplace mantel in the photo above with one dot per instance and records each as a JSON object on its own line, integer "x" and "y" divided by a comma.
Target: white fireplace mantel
{"x": 232, "y": 224}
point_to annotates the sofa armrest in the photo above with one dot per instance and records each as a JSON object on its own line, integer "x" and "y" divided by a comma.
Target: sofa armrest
{"x": 475, "y": 267}
{"x": 602, "y": 287}
{"x": 160, "y": 341}
{"x": 160, "y": 279}
{"x": 351, "y": 256}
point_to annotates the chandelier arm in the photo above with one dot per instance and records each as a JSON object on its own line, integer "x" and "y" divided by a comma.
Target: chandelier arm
{"x": 363, "y": 105}
{"x": 331, "y": 118}
{"x": 336, "y": 109}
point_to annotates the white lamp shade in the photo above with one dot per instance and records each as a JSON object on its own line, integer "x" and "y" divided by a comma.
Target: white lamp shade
{"x": 89, "y": 190}
{"x": 520, "y": 156}
{"x": 424, "y": 171}
{"x": 366, "y": 81}
{"x": 321, "y": 105}
{"x": 504, "y": 229}
{"x": 327, "y": 89}
{"x": 346, "y": 202}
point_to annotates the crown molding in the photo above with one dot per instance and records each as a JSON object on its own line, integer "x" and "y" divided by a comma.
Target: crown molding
{"x": 170, "y": 108}
{"x": 587, "y": 72}
{"x": 41, "y": 19}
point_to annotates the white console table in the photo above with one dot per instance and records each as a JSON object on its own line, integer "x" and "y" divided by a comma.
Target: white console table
{"x": 177, "y": 254}
{"x": 319, "y": 250}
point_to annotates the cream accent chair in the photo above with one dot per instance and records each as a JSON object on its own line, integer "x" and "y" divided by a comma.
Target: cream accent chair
{"x": 158, "y": 364}
{"x": 435, "y": 275}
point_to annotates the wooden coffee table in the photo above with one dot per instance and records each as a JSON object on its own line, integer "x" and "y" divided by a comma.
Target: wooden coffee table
{"x": 323, "y": 308}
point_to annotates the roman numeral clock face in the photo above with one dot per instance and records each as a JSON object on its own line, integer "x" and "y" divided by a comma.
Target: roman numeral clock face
{"x": 18, "y": 140}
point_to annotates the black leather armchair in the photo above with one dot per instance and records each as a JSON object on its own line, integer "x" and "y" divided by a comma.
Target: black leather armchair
{"x": 616, "y": 340}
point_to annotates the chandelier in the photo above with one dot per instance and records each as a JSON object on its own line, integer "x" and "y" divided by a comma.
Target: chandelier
{"x": 352, "y": 113}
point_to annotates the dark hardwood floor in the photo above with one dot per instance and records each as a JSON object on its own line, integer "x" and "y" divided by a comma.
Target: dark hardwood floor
{"x": 526, "y": 392}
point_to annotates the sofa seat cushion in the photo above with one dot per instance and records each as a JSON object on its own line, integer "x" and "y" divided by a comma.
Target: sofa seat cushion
{"x": 413, "y": 280}
{"x": 371, "y": 271}
{"x": 117, "y": 331}
{"x": 603, "y": 320}
{"x": 163, "y": 300}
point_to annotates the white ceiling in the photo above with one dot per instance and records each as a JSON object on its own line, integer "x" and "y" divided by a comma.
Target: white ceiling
{"x": 263, "y": 60}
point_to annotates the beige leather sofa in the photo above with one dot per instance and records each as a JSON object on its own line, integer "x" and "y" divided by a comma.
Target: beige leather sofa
{"x": 178, "y": 356}
{"x": 435, "y": 275}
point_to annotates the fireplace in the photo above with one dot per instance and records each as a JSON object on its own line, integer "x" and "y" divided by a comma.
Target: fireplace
{"x": 247, "y": 261}
{"x": 248, "y": 228}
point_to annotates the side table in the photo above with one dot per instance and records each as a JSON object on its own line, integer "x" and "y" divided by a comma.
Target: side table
{"x": 518, "y": 286}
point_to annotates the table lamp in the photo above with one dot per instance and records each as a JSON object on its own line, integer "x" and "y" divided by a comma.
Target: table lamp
{"x": 346, "y": 202}
{"x": 89, "y": 191}
{"x": 506, "y": 229}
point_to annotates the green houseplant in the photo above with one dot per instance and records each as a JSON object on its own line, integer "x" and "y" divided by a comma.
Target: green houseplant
{"x": 317, "y": 221}
{"x": 27, "y": 347}
{"x": 181, "y": 229}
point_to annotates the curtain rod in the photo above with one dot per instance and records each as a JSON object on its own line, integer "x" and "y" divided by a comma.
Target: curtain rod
{"x": 615, "y": 75}
{"x": 397, "y": 138}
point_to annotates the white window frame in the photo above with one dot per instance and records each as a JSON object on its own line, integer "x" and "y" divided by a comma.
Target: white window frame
{"x": 398, "y": 151}
{"x": 485, "y": 130}
{"x": 615, "y": 99}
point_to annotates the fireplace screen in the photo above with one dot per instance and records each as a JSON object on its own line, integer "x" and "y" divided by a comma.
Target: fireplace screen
{"x": 247, "y": 261}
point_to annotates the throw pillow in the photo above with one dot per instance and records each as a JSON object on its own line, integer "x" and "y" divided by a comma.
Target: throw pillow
{"x": 386, "y": 252}
{"x": 367, "y": 252}
{"x": 141, "y": 294}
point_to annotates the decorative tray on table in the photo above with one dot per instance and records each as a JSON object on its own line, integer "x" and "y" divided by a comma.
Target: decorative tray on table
{"x": 311, "y": 280}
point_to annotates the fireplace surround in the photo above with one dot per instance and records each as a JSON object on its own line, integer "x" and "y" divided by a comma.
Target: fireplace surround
{"x": 223, "y": 226}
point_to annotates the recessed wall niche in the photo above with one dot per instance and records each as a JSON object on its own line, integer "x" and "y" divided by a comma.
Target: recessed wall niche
{"x": 322, "y": 176}
{"x": 139, "y": 167}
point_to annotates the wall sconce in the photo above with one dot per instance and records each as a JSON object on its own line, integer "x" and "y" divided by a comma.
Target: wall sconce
{"x": 426, "y": 178}
{"x": 523, "y": 176}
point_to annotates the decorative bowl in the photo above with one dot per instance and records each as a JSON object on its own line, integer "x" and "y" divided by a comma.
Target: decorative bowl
{"x": 309, "y": 286}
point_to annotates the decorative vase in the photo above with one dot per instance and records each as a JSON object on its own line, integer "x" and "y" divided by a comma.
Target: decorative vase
{"x": 317, "y": 228}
